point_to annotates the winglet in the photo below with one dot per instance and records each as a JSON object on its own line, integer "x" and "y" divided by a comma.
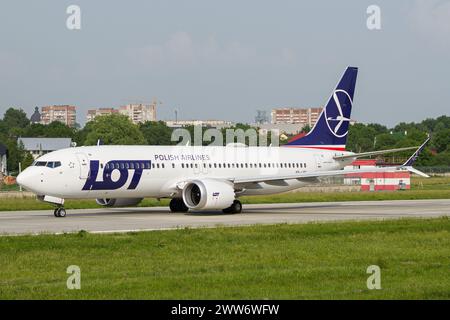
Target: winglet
{"x": 415, "y": 155}
{"x": 408, "y": 164}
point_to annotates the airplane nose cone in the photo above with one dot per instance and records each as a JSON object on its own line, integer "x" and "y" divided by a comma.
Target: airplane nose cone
{"x": 20, "y": 179}
{"x": 24, "y": 179}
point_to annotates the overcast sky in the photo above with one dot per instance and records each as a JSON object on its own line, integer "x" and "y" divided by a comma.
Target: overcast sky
{"x": 226, "y": 59}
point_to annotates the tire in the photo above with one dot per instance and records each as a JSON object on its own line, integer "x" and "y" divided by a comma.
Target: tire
{"x": 177, "y": 205}
{"x": 56, "y": 212}
{"x": 236, "y": 207}
{"x": 62, "y": 212}
{"x": 173, "y": 205}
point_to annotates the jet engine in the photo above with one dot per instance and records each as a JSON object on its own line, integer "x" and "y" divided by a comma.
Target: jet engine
{"x": 208, "y": 194}
{"x": 121, "y": 202}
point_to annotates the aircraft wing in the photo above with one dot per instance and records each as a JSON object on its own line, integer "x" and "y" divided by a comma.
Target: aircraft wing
{"x": 316, "y": 174}
{"x": 372, "y": 153}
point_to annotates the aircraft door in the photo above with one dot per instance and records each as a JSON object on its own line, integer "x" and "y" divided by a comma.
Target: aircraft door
{"x": 83, "y": 161}
{"x": 318, "y": 160}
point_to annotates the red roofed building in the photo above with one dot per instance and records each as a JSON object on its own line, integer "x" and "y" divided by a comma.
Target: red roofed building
{"x": 374, "y": 181}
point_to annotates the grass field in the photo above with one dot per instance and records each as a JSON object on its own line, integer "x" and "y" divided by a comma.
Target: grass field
{"x": 319, "y": 261}
{"x": 432, "y": 188}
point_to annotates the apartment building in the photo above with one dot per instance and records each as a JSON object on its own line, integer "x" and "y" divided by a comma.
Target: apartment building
{"x": 93, "y": 113}
{"x": 138, "y": 112}
{"x": 62, "y": 113}
{"x": 303, "y": 116}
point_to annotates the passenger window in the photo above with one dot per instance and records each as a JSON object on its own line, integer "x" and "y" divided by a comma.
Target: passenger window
{"x": 127, "y": 165}
{"x": 182, "y": 165}
{"x": 210, "y": 165}
{"x": 157, "y": 165}
{"x": 173, "y": 165}
{"x": 132, "y": 165}
{"x": 215, "y": 165}
{"x": 162, "y": 165}
{"x": 196, "y": 165}
{"x": 192, "y": 165}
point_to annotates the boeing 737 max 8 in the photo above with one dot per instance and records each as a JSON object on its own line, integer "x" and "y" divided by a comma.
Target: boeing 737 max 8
{"x": 202, "y": 178}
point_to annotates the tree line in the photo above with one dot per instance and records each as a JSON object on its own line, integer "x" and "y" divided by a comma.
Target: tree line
{"x": 118, "y": 129}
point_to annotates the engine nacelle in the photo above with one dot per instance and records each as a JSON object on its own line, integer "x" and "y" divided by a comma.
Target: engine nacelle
{"x": 208, "y": 194}
{"x": 121, "y": 202}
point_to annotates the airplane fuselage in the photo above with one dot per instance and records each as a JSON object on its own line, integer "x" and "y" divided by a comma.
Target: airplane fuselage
{"x": 157, "y": 171}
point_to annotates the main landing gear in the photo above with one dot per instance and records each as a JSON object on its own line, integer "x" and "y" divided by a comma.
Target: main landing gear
{"x": 60, "y": 212}
{"x": 177, "y": 205}
{"x": 236, "y": 207}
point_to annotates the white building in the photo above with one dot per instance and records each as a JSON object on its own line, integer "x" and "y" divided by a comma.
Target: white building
{"x": 3, "y": 160}
{"x": 40, "y": 146}
{"x": 138, "y": 112}
{"x": 283, "y": 128}
{"x": 204, "y": 123}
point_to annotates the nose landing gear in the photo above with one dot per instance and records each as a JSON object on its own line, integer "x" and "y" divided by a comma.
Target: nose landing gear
{"x": 60, "y": 212}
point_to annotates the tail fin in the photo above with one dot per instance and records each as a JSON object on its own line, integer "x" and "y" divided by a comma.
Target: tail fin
{"x": 330, "y": 130}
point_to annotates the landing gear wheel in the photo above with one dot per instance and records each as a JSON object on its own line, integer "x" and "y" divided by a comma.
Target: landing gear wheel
{"x": 60, "y": 212}
{"x": 177, "y": 205}
{"x": 236, "y": 207}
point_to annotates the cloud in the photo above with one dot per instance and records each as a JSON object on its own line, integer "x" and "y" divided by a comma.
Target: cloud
{"x": 431, "y": 18}
{"x": 180, "y": 50}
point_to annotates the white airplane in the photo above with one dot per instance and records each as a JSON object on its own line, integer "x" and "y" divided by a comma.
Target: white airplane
{"x": 202, "y": 178}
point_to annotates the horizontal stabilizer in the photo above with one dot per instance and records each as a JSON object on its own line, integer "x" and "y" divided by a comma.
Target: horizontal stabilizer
{"x": 418, "y": 172}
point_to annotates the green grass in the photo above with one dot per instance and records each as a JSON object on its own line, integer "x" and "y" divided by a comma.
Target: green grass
{"x": 319, "y": 261}
{"x": 12, "y": 187}
{"x": 432, "y": 188}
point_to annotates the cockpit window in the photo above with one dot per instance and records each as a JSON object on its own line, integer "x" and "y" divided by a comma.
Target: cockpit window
{"x": 50, "y": 164}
